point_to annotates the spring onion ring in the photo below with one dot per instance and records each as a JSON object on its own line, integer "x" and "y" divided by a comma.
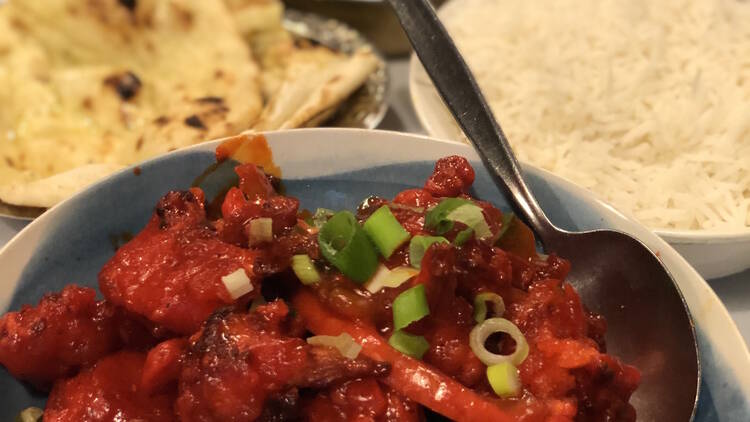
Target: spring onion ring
{"x": 305, "y": 270}
{"x": 481, "y": 332}
{"x": 411, "y": 305}
{"x": 504, "y": 379}
{"x": 409, "y": 344}
{"x": 480, "y": 305}
{"x": 30, "y": 414}
{"x": 437, "y": 217}
{"x": 463, "y": 236}
{"x": 237, "y": 283}
{"x": 419, "y": 245}
{"x": 321, "y": 216}
{"x": 392, "y": 278}
{"x": 346, "y": 246}
{"x": 473, "y": 217}
{"x": 259, "y": 230}
{"x": 385, "y": 231}
{"x": 343, "y": 342}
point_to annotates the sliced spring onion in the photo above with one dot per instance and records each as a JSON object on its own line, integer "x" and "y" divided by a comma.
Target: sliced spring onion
{"x": 385, "y": 231}
{"x": 507, "y": 218}
{"x": 482, "y": 331}
{"x": 463, "y": 236}
{"x": 304, "y": 269}
{"x": 237, "y": 283}
{"x": 473, "y": 216}
{"x": 419, "y": 245}
{"x": 343, "y": 342}
{"x": 385, "y": 277}
{"x": 260, "y": 230}
{"x": 346, "y": 246}
{"x": 30, "y": 414}
{"x": 409, "y": 344}
{"x": 436, "y": 218}
{"x": 480, "y": 305}
{"x": 411, "y": 305}
{"x": 504, "y": 379}
{"x": 321, "y": 216}
{"x": 449, "y": 210}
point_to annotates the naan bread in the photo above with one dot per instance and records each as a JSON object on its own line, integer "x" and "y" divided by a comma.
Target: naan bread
{"x": 261, "y": 22}
{"x": 56, "y": 188}
{"x": 316, "y": 81}
{"x": 303, "y": 85}
{"x": 113, "y": 82}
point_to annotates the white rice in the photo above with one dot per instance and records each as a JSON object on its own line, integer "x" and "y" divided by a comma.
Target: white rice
{"x": 646, "y": 103}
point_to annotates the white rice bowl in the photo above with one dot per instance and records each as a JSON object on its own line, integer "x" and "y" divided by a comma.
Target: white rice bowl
{"x": 647, "y": 104}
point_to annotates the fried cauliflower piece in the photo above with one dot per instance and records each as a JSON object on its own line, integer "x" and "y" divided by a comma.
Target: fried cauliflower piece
{"x": 109, "y": 391}
{"x": 171, "y": 272}
{"x": 240, "y": 363}
{"x": 64, "y": 332}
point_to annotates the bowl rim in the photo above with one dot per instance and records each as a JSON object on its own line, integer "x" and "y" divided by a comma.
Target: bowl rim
{"x": 703, "y": 236}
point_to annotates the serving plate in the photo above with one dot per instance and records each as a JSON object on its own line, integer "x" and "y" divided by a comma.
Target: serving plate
{"x": 335, "y": 168}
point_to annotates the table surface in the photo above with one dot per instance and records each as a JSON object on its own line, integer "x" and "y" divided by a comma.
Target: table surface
{"x": 734, "y": 290}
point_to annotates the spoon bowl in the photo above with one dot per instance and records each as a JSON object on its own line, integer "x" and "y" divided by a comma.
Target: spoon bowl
{"x": 617, "y": 276}
{"x": 647, "y": 322}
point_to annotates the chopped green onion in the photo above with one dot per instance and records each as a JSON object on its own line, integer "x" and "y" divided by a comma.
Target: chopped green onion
{"x": 260, "y": 230}
{"x": 473, "y": 216}
{"x": 482, "y": 331}
{"x": 480, "y": 305}
{"x": 507, "y": 218}
{"x": 411, "y": 305}
{"x": 237, "y": 283}
{"x": 346, "y": 246}
{"x": 419, "y": 245}
{"x": 385, "y": 231}
{"x": 321, "y": 216}
{"x": 436, "y": 218}
{"x": 385, "y": 277}
{"x": 30, "y": 414}
{"x": 409, "y": 344}
{"x": 504, "y": 379}
{"x": 343, "y": 342}
{"x": 450, "y": 210}
{"x": 304, "y": 269}
{"x": 463, "y": 236}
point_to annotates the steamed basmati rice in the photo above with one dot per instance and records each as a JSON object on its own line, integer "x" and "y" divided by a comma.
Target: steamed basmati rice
{"x": 646, "y": 103}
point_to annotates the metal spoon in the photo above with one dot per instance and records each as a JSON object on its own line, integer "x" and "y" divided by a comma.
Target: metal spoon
{"x": 649, "y": 325}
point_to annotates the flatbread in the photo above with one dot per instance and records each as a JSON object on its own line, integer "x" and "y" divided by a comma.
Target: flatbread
{"x": 102, "y": 82}
{"x": 303, "y": 85}
{"x": 92, "y": 86}
{"x": 261, "y": 22}
{"x": 56, "y": 188}
{"x": 316, "y": 81}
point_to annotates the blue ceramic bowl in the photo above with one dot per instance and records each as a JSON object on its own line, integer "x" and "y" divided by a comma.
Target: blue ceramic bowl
{"x": 336, "y": 168}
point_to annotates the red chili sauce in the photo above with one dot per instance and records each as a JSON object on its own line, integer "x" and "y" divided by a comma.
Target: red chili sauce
{"x": 169, "y": 342}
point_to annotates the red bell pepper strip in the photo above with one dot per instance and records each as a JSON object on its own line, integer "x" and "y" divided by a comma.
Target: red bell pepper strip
{"x": 411, "y": 378}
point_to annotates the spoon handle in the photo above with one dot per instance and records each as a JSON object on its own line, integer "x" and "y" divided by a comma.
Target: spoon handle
{"x": 461, "y": 94}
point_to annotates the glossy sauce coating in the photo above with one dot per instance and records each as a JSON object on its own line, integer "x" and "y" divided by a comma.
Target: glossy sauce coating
{"x": 63, "y": 333}
{"x": 171, "y": 271}
{"x": 221, "y": 361}
{"x": 110, "y": 391}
